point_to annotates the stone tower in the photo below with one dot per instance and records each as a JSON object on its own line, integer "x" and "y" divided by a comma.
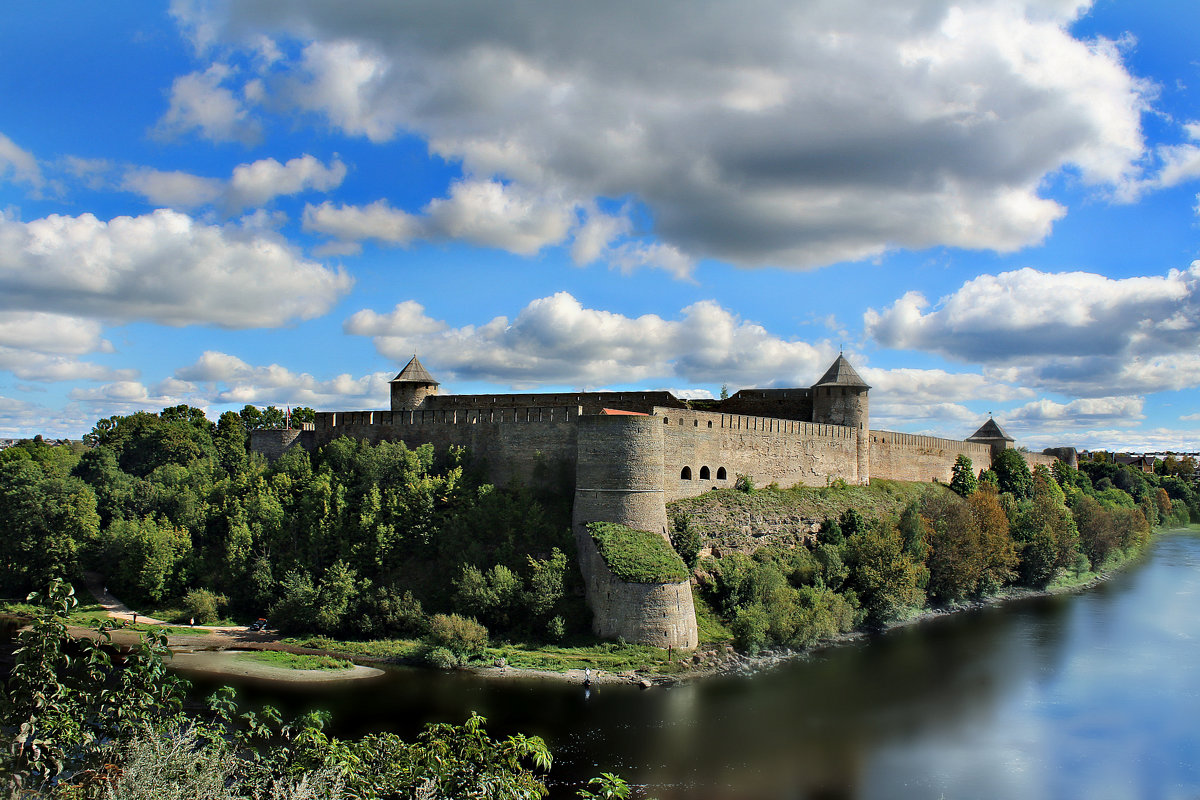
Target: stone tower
{"x": 412, "y": 386}
{"x": 991, "y": 434}
{"x": 840, "y": 398}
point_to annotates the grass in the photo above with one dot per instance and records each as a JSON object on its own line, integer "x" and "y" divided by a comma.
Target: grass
{"x": 281, "y": 660}
{"x": 181, "y": 616}
{"x": 401, "y": 650}
{"x": 606, "y": 656}
{"x": 637, "y": 556}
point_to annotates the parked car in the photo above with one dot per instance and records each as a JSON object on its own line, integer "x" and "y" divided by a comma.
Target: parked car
{"x": 259, "y": 624}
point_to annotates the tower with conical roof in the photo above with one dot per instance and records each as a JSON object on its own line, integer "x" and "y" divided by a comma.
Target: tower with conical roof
{"x": 412, "y": 386}
{"x": 840, "y": 398}
{"x": 991, "y": 434}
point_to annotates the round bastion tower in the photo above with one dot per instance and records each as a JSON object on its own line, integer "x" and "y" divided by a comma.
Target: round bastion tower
{"x": 412, "y": 386}
{"x": 840, "y": 398}
{"x": 619, "y": 478}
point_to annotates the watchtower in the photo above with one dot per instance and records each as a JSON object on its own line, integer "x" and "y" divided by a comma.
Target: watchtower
{"x": 991, "y": 434}
{"x": 412, "y": 386}
{"x": 840, "y": 398}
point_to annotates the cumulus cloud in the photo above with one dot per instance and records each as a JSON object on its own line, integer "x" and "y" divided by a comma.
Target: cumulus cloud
{"x": 236, "y": 382}
{"x": 174, "y": 189}
{"x": 19, "y": 163}
{"x": 1076, "y": 332}
{"x": 556, "y": 340}
{"x": 36, "y": 346}
{"x": 773, "y": 134}
{"x": 200, "y": 101}
{"x": 486, "y": 213}
{"x": 164, "y": 267}
{"x": 253, "y": 184}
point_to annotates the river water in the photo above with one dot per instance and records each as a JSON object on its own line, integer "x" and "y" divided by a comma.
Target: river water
{"x": 1094, "y": 695}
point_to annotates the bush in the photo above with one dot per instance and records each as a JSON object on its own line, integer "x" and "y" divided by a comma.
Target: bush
{"x": 204, "y": 606}
{"x": 685, "y": 539}
{"x": 441, "y": 658}
{"x": 744, "y": 483}
{"x": 461, "y": 635}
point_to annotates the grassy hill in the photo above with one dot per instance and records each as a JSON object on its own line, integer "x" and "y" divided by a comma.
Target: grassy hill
{"x": 729, "y": 519}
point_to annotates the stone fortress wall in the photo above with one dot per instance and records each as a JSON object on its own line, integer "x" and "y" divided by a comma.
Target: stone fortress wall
{"x": 628, "y": 454}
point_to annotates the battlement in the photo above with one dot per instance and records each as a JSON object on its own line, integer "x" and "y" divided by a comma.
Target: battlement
{"x": 715, "y": 420}
{"x": 328, "y": 420}
{"x": 918, "y": 441}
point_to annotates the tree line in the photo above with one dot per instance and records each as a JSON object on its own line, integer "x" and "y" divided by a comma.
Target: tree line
{"x": 1007, "y": 526}
{"x": 353, "y": 540}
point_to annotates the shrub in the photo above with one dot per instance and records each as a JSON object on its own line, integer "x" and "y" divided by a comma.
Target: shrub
{"x": 461, "y": 635}
{"x": 744, "y": 483}
{"x": 882, "y": 576}
{"x": 204, "y": 606}
{"x": 685, "y": 539}
{"x": 441, "y": 658}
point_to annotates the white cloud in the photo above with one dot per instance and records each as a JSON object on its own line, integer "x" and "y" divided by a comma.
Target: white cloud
{"x": 200, "y": 101}
{"x": 163, "y": 267}
{"x": 257, "y": 183}
{"x": 50, "y": 333}
{"x": 594, "y": 237}
{"x": 555, "y": 340}
{"x": 30, "y": 365}
{"x": 20, "y": 419}
{"x": 20, "y": 163}
{"x": 377, "y": 221}
{"x": 490, "y": 214}
{"x": 175, "y": 189}
{"x": 1074, "y": 332}
{"x": 233, "y": 381}
{"x": 772, "y": 134}
{"x": 486, "y": 213}
{"x": 251, "y": 185}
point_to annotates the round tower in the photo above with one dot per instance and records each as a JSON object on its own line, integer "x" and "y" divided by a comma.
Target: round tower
{"x": 619, "y": 478}
{"x": 840, "y": 398}
{"x": 619, "y": 472}
{"x": 412, "y": 386}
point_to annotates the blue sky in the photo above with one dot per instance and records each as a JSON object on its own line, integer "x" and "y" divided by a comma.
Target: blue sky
{"x": 989, "y": 206}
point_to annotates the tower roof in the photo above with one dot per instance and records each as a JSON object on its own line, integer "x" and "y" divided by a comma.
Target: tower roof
{"x": 413, "y": 372}
{"x": 840, "y": 373}
{"x": 990, "y": 430}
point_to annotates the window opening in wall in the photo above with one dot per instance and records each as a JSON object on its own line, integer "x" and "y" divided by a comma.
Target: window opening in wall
{"x": 695, "y": 423}
{"x": 685, "y": 474}
{"x": 710, "y": 423}
{"x": 666, "y": 420}
{"x": 721, "y": 473}
{"x": 704, "y": 473}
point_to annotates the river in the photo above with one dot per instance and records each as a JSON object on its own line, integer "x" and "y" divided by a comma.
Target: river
{"x": 1092, "y": 695}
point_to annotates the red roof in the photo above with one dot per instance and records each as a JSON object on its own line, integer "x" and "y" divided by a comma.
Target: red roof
{"x": 616, "y": 412}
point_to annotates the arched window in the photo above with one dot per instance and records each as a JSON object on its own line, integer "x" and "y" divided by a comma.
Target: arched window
{"x": 685, "y": 474}
{"x": 720, "y": 473}
{"x": 704, "y": 473}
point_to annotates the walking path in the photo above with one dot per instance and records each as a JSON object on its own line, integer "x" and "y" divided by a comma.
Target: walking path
{"x": 118, "y": 610}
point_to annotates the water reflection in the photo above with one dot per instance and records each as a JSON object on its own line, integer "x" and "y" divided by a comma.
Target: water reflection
{"x": 1094, "y": 695}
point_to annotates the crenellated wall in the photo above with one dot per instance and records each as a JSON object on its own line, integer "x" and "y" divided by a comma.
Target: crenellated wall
{"x": 526, "y": 445}
{"x": 910, "y": 457}
{"x": 783, "y": 451}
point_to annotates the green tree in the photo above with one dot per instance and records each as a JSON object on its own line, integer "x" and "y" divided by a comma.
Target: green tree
{"x": 1012, "y": 474}
{"x": 956, "y": 558}
{"x": 882, "y": 576}
{"x": 963, "y": 481}
{"x": 145, "y": 557}
{"x": 996, "y": 544}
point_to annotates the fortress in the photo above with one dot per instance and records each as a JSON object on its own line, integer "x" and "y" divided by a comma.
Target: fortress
{"x": 628, "y": 454}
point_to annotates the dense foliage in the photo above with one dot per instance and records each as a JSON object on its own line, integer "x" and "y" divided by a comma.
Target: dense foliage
{"x": 1010, "y": 526}
{"x": 81, "y": 725}
{"x": 353, "y": 540}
